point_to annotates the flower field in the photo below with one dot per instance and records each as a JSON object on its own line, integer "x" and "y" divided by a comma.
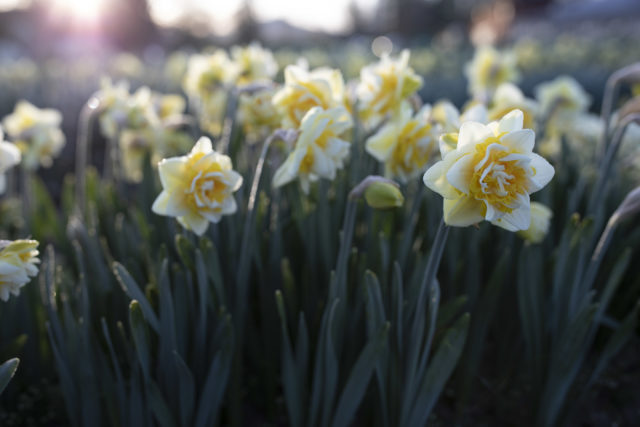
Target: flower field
{"x": 322, "y": 238}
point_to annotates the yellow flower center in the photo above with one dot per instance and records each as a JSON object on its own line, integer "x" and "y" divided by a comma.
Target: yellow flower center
{"x": 207, "y": 190}
{"x": 496, "y": 180}
{"x": 305, "y": 100}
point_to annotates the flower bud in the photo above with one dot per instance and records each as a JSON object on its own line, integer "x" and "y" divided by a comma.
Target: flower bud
{"x": 540, "y": 218}
{"x": 383, "y": 195}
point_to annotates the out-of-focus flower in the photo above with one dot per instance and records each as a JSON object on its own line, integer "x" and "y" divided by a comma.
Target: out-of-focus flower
{"x": 206, "y": 83}
{"x": 562, "y": 97}
{"x": 383, "y": 87}
{"x": 114, "y": 106}
{"x": 406, "y": 143}
{"x": 303, "y": 90}
{"x": 490, "y": 174}
{"x": 36, "y": 132}
{"x": 208, "y": 73}
{"x": 488, "y": 69}
{"x": 383, "y": 195}
{"x": 509, "y": 97}
{"x": 9, "y": 157}
{"x": 257, "y": 114}
{"x": 320, "y": 149}
{"x": 18, "y": 263}
{"x": 197, "y": 188}
{"x": 539, "y": 227}
{"x": 255, "y": 64}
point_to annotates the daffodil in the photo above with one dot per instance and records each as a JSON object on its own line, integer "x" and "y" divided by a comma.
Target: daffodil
{"x": 320, "y": 150}
{"x": 488, "y": 69}
{"x": 206, "y": 83}
{"x": 9, "y": 157}
{"x": 490, "y": 174}
{"x": 562, "y": 96}
{"x": 384, "y": 86}
{"x": 36, "y": 132}
{"x": 303, "y": 90}
{"x": 540, "y": 219}
{"x": 406, "y": 143}
{"x": 447, "y": 116}
{"x": 255, "y": 64}
{"x": 509, "y": 97}
{"x": 197, "y": 188}
{"x": 257, "y": 114}
{"x": 207, "y": 73}
{"x": 18, "y": 263}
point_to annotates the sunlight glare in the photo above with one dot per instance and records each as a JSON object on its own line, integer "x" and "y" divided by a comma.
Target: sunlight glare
{"x": 84, "y": 14}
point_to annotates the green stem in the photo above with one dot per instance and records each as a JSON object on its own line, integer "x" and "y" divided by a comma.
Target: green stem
{"x": 83, "y": 150}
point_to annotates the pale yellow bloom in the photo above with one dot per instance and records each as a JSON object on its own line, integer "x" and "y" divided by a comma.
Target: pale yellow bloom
{"x": 303, "y": 90}
{"x": 9, "y": 157}
{"x": 490, "y": 174}
{"x": 255, "y": 64}
{"x": 114, "y": 106}
{"x": 447, "y": 116}
{"x": 509, "y": 97}
{"x": 488, "y": 69}
{"x": 562, "y": 96}
{"x": 406, "y": 143}
{"x": 18, "y": 263}
{"x": 208, "y": 73}
{"x": 320, "y": 149}
{"x": 36, "y": 132}
{"x": 257, "y": 114}
{"x": 383, "y": 87}
{"x": 197, "y": 188}
{"x": 206, "y": 83}
{"x": 540, "y": 219}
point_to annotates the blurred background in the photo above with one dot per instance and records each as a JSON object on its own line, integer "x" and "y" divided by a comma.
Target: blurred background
{"x": 54, "y": 52}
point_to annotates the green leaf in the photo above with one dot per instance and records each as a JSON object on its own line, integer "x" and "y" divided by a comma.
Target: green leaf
{"x": 134, "y": 292}
{"x": 359, "y": 378}
{"x": 439, "y": 371}
{"x": 7, "y": 370}
{"x": 186, "y": 391}
{"x": 141, "y": 339}
{"x": 159, "y": 406}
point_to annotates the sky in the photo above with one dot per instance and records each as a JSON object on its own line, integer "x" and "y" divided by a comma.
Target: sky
{"x": 325, "y": 15}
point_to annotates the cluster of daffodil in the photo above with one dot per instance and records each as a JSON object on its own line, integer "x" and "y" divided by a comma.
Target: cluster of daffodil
{"x": 212, "y": 78}
{"x": 36, "y": 132}
{"x": 486, "y": 170}
{"x": 143, "y": 123}
{"x": 18, "y": 263}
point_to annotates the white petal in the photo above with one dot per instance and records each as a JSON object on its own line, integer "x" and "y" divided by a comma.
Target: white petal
{"x": 511, "y": 122}
{"x": 520, "y": 140}
{"x": 382, "y": 144}
{"x": 287, "y": 172}
{"x": 167, "y": 204}
{"x": 194, "y": 222}
{"x": 519, "y": 219}
{"x": 542, "y": 171}
{"x": 171, "y": 171}
{"x": 459, "y": 175}
{"x": 435, "y": 179}
{"x": 472, "y": 133}
{"x": 202, "y": 146}
{"x": 463, "y": 212}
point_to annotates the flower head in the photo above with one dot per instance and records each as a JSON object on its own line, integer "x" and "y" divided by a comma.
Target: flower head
{"x": 490, "y": 174}
{"x": 540, "y": 218}
{"x": 197, "y": 188}
{"x": 488, "y": 69}
{"x": 208, "y": 73}
{"x": 320, "y": 149}
{"x": 255, "y": 64}
{"x": 384, "y": 86}
{"x": 18, "y": 263}
{"x": 406, "y": 143}
{"x": 36, "y": 132}
{"x": 303, "y": 90}
{"x": 563, "y": 96}
{"x": 9, "y": 157}
{"x": 257, "y": 114}
{"x": 509, "y": 97}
